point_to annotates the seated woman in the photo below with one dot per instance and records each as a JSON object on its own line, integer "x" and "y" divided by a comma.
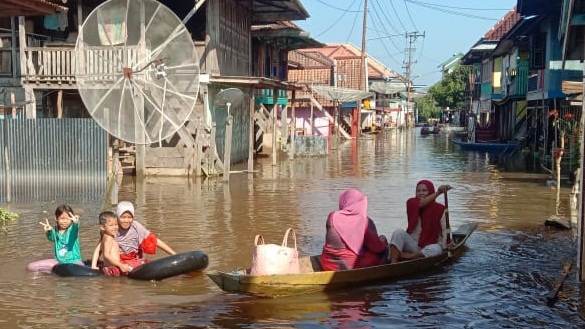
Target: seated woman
{"x": 352, "y": 240}
{"x": 426, "y": 225}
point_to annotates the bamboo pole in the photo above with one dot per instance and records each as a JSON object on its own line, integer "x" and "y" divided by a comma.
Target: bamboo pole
{"x": 274, "y": 115}
{"x": 251, "y": 136}
{"x": 293, "y": 135}
{"x": 581, "y": 221}
{"x": 227, "y": 145}
{"x": 60, "y": 104}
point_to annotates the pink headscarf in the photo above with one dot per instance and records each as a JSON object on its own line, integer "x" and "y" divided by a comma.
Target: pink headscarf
{"x": 351, "y": 220}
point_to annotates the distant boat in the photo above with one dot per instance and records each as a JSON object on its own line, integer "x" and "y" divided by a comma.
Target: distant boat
{"x": 486, "y": 146}
{"x": 428, "y": 130}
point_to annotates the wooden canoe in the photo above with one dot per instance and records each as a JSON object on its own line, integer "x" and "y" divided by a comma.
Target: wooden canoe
{"x": 486, "y": 147}
{"x": 429, "y": 130}
{"x": 313, "y": 279}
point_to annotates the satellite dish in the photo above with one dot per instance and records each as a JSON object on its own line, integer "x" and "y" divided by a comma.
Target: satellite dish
{"x": 137, "y": 70}
{"x": 229, "y": 97}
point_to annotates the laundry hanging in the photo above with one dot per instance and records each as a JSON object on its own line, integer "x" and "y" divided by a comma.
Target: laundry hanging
{"x": 111, "y": 26}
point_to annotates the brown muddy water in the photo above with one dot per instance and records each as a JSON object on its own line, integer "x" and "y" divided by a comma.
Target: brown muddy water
{"x": 501, "y": 280}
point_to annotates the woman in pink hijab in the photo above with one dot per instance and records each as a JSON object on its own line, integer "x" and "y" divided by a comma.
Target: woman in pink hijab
{"x": 352, "y": 240}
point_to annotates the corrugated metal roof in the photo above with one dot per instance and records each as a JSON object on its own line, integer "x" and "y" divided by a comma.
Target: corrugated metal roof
{"x": 288, "y": 35}
{"x": 485, "y": 47}
{"x": 267, "y": 11}
{"x": 9, "y": 8}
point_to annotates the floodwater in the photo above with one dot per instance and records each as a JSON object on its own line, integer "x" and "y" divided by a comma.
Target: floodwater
{"x": 511, "y": 263}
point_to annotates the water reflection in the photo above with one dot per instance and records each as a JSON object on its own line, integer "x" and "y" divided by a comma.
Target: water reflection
{"x": 499, "y": 281}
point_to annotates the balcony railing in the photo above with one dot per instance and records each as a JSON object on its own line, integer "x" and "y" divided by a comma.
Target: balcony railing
{"x": 536, "y": 81}
{"x": 521, "y": 81}
{"x": 266, "y": 97}
{"x": 61, "y": 64}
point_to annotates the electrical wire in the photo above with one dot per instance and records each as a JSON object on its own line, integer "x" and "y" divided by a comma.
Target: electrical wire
{"x": 442, "y": 9}
{"x": 453, "y": 7}
{"x": 397, "y": 16}
{"x": 345, "y": 11}
{"x": 355, "y": 18}
{"x": 384, "y": 35}
{"x": 338, "y": 8}
{"x": 409, "y": 15}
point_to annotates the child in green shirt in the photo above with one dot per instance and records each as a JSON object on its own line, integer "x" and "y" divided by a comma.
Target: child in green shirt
{"x": 64, "y": 236}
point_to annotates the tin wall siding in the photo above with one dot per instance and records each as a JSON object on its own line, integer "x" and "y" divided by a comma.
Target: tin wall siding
{"x": 60, "y": 160}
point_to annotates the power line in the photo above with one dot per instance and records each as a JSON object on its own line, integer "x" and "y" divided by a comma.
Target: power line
{"x": 355, "y": 18}
{"x": 345, "y": 11}
{"x": 441, "y": 9}
{"x": 397, "y": 16}
{"x": 384, "y": 34}
{"x": 452, "y": 7}
{"x": 409, "y": 15}
{"x": 340, "y": 9}
{"x": 379, "y": 10}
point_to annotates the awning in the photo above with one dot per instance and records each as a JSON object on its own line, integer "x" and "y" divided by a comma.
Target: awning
{"x": 252, "y": 82}
{"x": 341, "y": 94}
{"x": 267, "y": 11}
{"x": 387, "y": 87}
{"x": 287, "y": 37}
{"x": 412, "y": 95}
{"x": 574, "y": 90}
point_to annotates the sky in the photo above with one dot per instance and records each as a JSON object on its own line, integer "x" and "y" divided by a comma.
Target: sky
{"x": 439, "y": 29}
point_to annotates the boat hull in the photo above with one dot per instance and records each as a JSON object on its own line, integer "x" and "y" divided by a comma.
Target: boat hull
{"x": 486, "y": 147}
{"x": 312, "y": 279}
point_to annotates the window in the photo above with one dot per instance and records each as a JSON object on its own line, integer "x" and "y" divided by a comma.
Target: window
{"x": 538, "y": 51}
{"x": 5, "y": 55}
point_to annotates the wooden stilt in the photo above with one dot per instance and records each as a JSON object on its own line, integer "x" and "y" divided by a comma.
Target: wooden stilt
{"x": 251, "y": 137}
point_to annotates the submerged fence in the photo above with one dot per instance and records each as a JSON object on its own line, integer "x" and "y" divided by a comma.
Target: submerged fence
{"x": 60, "y": 160}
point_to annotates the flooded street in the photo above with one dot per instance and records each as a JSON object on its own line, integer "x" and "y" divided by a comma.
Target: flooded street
{"x": 501, "y": 280}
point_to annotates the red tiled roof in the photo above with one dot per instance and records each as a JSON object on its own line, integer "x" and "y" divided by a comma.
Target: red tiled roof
{"x": 503, "y": 25}
{"x": 348, "y": 51}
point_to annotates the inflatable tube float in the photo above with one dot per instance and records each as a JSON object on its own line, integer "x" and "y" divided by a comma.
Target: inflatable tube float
{"x": 169, "y": 266}
{"x": 74, "y": 270}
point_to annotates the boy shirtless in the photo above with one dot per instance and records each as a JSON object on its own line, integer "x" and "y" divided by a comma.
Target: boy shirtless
{"x": 110, "y": 249}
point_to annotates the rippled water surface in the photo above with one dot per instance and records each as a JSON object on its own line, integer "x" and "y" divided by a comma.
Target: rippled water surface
{"x": 510, "y": 264}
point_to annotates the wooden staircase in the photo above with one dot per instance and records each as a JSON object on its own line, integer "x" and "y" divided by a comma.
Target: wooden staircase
{"x": 342, "y": 131}
{"x": 485, "y": 134}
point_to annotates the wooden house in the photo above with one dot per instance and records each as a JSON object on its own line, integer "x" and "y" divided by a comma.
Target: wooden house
{"x": 339, "y": 65}
{"x": 232, "y": 54}
{"x": 484, "y": 89}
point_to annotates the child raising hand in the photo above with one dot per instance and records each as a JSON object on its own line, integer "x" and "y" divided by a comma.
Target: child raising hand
{"x": 64, "y": 236}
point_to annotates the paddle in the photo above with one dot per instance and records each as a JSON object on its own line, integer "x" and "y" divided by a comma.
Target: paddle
{"x": 447, "y": 225}
{"x": 553, "y": 295}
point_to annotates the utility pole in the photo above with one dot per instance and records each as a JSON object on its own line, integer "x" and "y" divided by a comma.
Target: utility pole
{"x": 411, "y": 36}
{"x": 363, "y": 71}
{"x": 363, "y": 83}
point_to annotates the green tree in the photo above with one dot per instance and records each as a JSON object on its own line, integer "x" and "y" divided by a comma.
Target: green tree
{"x": 450, "y": 90}
{"x": 427, "y": 108}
